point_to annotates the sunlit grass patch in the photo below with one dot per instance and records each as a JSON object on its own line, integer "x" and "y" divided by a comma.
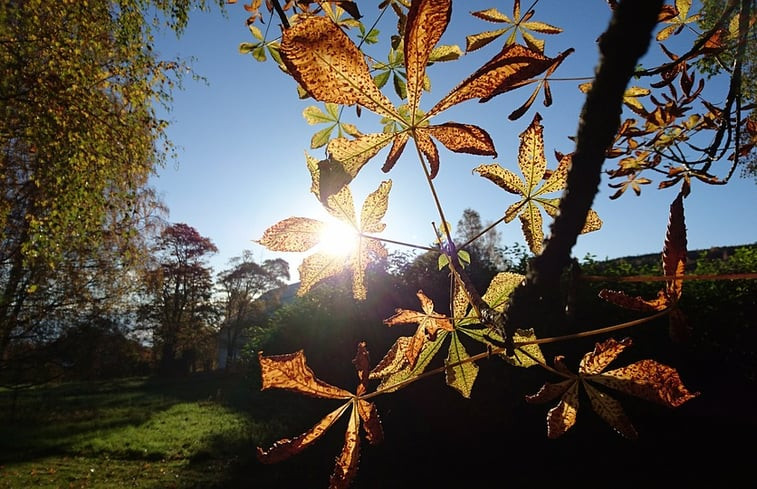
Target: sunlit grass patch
{"x": 136, "y": 433}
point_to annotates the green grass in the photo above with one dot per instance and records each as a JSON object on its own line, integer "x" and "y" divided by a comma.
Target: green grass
{"x": 145, "y": 433}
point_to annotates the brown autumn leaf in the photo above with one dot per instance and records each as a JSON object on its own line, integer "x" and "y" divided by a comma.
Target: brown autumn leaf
{"x": 462, "y": 138}
{"x": 513, "y": 67}
{"x": 292, "y": 373}
{"x": 288, "y": 447}
{"x": 428, "y": 321}
{"x": 346, "y": 464}
{"x": 330, "y": 67}
{"x": 533, "y": 166}
{"x": 673, "y": 266}
{"x": 646, "y": 379}
{"x": 674, "y": 250}
{"x": 426, "y": 22}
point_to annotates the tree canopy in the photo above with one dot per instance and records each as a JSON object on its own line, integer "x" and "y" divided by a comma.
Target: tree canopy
{"x": 79, "y": 139}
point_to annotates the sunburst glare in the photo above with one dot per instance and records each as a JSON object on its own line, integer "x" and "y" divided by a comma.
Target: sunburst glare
{"x": 339, "y": 238}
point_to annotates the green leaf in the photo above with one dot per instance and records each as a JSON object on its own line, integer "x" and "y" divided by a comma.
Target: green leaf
{"x": 322, "y": 137}
{"x": 381, "y": 79}
{"x": 400, "y": 87}
{"x": 259, "y": 53}
{"x": 314, "y": 115}
{"x": 255, "y": 31}
{"x": 247, "y": 47}
{"x": 428, "y": 352}
{"x": 460, "y": 376}
{"x": 500, "y": 288}
{"x": 443, "y": 261}
{"x": 445, "y": 53}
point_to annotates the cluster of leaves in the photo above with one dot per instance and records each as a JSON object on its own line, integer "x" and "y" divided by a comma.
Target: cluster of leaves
{"x": 317, "y": 51}
{"x": 672, "y": 129}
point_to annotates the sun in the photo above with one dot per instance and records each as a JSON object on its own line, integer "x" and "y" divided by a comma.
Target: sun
{"x": 339, "y": 238}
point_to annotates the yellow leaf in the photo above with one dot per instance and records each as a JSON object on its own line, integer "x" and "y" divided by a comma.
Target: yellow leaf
{"x": 292, "y": 234}
{"x": 541, "y": 27}
{"x": 535, "y": 355}
{"x": 593, "y": 222}
{"x": 492, "y": 15}
{"x": 341, "y": 206}
{"x": 460, "y": 302}
{"x": 502, "y": 177}
{"x": 531, "y": 158}
{"x": 428, "y": 352}
{"x": 374, "y": 209}
{"x": 314, "y": 115}
{"x": 353, "y": 154}
{"x": 533, "y": 166}
{"x": 328, "y": 65}
{"x": 445, "y": 53}
{"x": 369, "y": 251}
{"x": 477, "y": 41}
{"x": 500, "y": 288}
{"x": 460, "y": 375}
{"x": 394, "y": 360}
{"x": 559, "y": 177}
{"x": 532, "y": 226}
{"x": 317, "y": 267}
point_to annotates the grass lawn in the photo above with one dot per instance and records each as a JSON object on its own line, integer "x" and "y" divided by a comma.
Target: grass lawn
{"x": 201, "y": 432}
{"x": 144, "y": 433}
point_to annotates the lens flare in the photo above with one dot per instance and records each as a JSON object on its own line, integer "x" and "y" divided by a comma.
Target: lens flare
{"x": 339, "y": 238}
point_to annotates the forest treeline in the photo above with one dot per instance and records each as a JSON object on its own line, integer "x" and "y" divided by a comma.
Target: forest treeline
{"x": 181, "y": 316}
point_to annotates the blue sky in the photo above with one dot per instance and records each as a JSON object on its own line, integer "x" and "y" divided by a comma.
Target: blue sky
{"x": 242, "y": 142}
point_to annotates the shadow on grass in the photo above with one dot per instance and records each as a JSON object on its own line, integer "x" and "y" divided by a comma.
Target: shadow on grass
{"x": 433, "y": 438}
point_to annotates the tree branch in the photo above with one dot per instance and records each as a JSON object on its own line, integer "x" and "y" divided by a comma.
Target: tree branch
{"x": 537, "y": 302}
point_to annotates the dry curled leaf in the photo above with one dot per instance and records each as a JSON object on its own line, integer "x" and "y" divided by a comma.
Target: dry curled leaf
{"x": 292, "y": 373}
{"x": 428, "y": 321}
{"x": 646, "y": 379}
{"x": 674, "y": 255}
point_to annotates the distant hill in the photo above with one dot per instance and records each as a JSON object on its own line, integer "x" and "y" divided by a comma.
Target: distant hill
{"x": 714, "y": 253}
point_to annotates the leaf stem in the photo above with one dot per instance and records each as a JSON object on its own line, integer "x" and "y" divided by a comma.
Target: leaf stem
{"x": 518, "y": 344}
{"x": 400, "y": 243}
